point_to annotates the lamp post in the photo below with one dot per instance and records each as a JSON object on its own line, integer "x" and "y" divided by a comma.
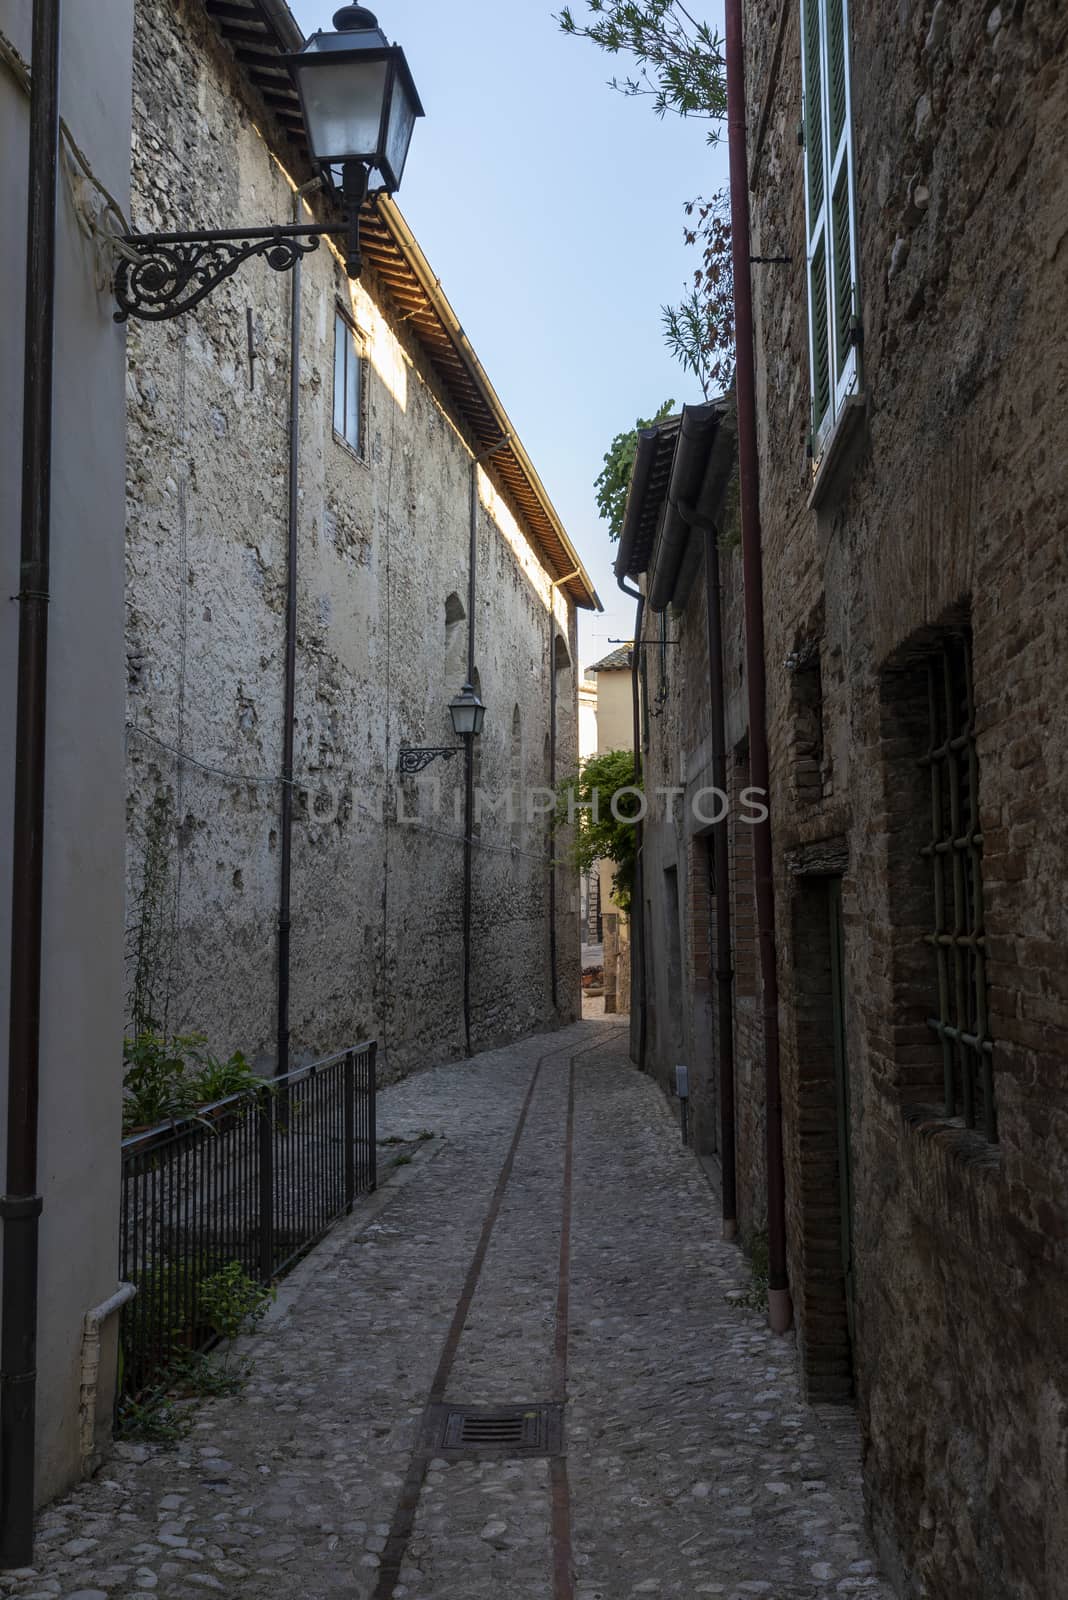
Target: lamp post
{"x": 468, "y": 714}
{"x": 360, "y": 105}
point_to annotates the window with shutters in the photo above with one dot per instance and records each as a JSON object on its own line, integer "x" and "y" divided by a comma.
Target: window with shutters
{"x": 830, "y": 215}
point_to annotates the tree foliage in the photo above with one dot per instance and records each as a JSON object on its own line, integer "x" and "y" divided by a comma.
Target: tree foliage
{"x": 613, "y": 481}
{"x": 680, "y": 64}
{"x": 599, "y": 834}
{"x": 679, "y": 60}
{"x": 699, "y": 331}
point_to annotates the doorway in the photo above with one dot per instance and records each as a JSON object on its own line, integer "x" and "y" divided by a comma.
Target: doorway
{"x": 827, "y": 1277}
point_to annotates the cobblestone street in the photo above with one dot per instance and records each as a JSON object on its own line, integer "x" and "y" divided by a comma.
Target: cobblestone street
{"x": 552, "y": 1240}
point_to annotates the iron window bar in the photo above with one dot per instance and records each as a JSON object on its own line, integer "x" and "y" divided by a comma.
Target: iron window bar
{"x": 958, "y": 940}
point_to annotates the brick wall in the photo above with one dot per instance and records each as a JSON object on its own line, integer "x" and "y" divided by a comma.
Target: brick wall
{"x": 948, "y": 502}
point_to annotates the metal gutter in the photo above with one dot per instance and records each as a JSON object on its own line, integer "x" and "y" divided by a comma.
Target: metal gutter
{"x": 696, "y": 435}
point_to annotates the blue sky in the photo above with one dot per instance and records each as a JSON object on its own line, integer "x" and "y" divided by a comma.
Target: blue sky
{"x": 551, "y": 208}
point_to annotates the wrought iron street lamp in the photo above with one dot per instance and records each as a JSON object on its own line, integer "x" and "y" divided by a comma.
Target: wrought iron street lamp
{"x": 360, "y": 105}
{"x": 467, "y": 713}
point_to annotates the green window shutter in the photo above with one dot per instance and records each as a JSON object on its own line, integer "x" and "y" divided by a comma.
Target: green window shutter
{"x": 816, "y": 219}
{"x": 821, "y": 342}
{"x": 830, "y": 212}
{"x": 814, "y": 141}
{"x": 845, "y": 306}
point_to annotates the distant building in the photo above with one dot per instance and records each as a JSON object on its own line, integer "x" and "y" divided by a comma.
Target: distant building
{"x": 615, "y": 731}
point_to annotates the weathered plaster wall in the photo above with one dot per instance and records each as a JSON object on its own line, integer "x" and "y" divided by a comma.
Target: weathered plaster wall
{"x": 81, "y": 1035}
{"x": 383, "y": 545}
{"x": 951, "y": 499}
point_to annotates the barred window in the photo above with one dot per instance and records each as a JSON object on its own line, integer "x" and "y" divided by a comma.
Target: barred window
{"x": 957, "y": 941}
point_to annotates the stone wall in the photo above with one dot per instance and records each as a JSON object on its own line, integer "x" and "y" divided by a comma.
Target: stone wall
{"x": 383, "y": 541}
{"x": 946, "y": 510}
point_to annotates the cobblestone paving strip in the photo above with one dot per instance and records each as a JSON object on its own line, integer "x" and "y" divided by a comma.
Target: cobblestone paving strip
{"x": 694, "y": 1470}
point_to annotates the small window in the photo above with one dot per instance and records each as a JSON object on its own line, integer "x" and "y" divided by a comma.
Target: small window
{"x": 348, "y": 383}
{"x": 830, "y": 215}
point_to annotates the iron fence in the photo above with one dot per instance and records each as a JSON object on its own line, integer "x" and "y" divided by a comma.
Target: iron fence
{"x": 256, "y": 1179}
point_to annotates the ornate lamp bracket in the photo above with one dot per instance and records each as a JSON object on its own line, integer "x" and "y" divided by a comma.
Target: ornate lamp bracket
{"x": 163, "y": 274}
{"x": 413, "y": 758}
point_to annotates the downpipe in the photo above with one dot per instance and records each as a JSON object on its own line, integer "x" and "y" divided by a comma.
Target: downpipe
{"x": 637, "y": 908}
{"x": 469, "y": 743}
{"x": 554, "y": 960}
{"x": 91, "y": 1342}
{"x": 289, "y": 707}
{"x": 724, "y": 973}
{"x": 780, "y": 1313}
{"x": 21, "y": 1204}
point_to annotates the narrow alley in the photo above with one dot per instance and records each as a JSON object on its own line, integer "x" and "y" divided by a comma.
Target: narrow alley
{"x": 516, "y": 1260}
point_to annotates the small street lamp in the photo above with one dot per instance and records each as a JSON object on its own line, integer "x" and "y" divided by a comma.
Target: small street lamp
{"x": 360, "y": 105}
{"x": 467, "y": 713}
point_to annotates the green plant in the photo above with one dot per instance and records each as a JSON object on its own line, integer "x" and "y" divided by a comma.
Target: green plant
{"x": 230, "y": 1303}
{"x": 153, "y": 1418}
{"x": 606, "y": 831}
{"x": 171, "y": 1077}
{"x": 613, "y": 481}
{"x": 196, "y": 1375}
{"x": 680, "y": 60}
{"x": 154, "y": 1077}
{"x": 217, "y": 1080}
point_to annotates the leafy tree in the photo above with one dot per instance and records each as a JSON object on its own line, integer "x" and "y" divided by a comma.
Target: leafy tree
{"x": 680, "y": 60}
{"x": 600, "y": 835}
{"x": 613, "y": 480}
{"x": 680, "y": 64}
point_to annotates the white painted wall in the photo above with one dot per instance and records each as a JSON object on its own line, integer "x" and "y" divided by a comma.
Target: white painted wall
{"x": 81, "y": 1047}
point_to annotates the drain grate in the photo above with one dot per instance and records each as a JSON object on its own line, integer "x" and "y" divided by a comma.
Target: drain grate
{"x": 532, "y": 1430}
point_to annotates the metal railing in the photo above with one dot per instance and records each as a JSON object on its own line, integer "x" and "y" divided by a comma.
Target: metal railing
{"x": 257, "y": 1179}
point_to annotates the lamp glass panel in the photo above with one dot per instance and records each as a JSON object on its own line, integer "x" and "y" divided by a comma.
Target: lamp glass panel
{"x": 343, "y": 107}
{"x": 399, "y": 132}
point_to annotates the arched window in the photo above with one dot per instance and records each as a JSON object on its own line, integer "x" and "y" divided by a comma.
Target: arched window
{"x": 561, "y": 658}
{"x": 455, "y": 645}
{"x": 516, "y": 779}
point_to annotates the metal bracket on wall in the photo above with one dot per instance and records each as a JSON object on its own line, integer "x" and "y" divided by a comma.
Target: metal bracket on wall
{"x": 771, "y": 261}
{"x": 164, "y": 274}
{"x": 413, "y": 759}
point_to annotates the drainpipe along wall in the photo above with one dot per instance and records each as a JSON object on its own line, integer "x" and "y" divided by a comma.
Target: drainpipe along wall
{"x": 469, "y": 743}
{"x": 290, "y": 694}
{"x": 20, "y": 1206}
{"x": 637, "y": 913}
{"x": 779, "y": 1309}
{"x": 721, "y": 862}
{"x": 554, "y": 978}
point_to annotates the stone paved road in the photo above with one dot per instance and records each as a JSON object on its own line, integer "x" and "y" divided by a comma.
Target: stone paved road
{"x": 691, "y": 1467}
